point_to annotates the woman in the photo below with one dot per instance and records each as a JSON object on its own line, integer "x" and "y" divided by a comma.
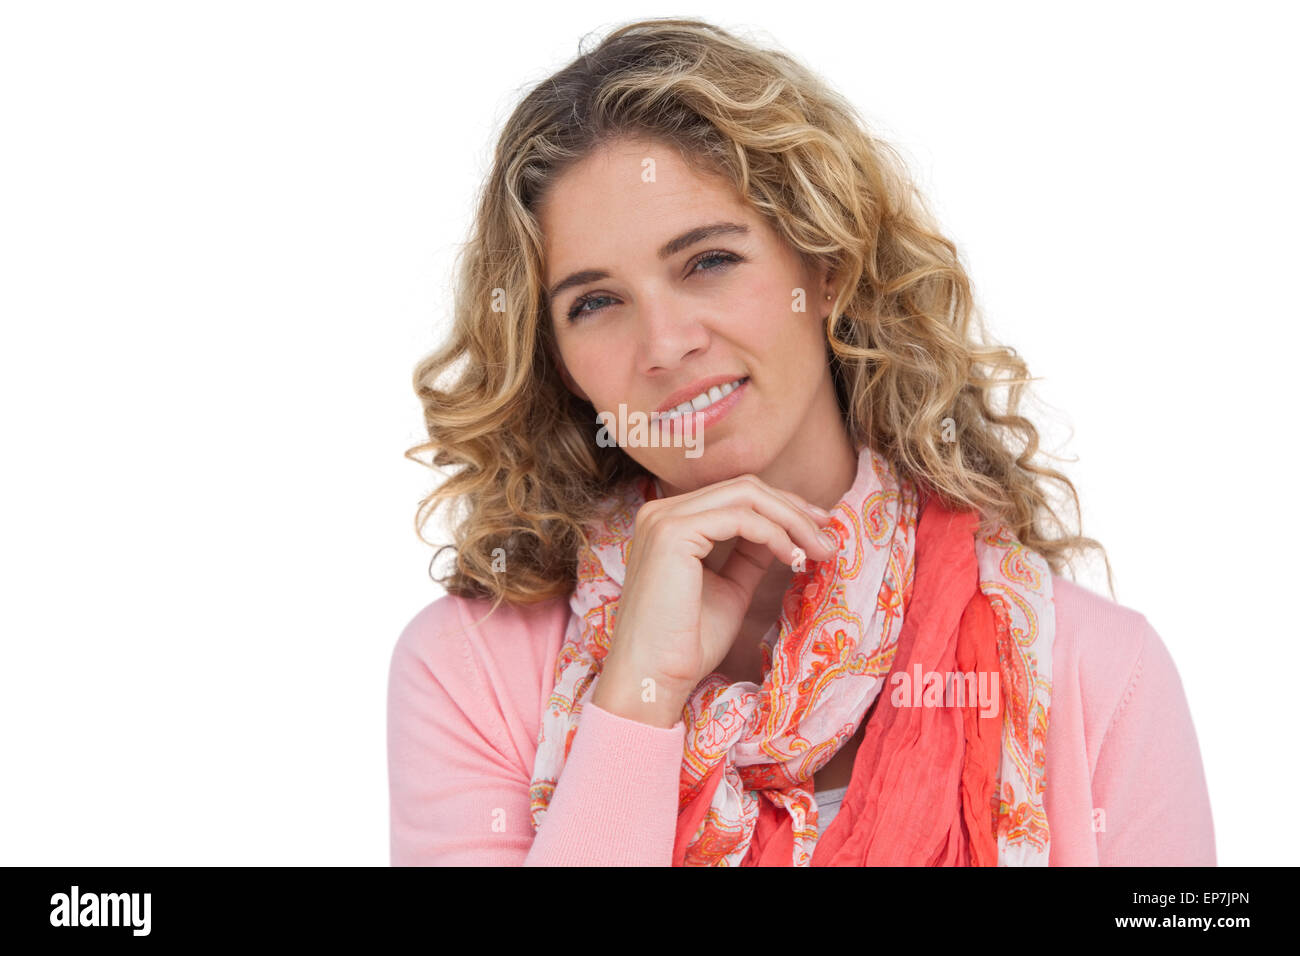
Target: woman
{"x": 752, "y": 570}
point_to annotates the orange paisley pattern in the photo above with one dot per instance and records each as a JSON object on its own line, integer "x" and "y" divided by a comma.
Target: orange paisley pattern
{"x": 834, "y": 645}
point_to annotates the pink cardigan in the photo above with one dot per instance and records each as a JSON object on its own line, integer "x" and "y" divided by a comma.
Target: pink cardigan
{"x": 465, "y": 705}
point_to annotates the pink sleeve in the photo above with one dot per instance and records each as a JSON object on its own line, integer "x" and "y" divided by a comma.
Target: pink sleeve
{"x": 1149, "y": 783}
{"x": 459, "y": 779}
{"x": 616, "y": 801}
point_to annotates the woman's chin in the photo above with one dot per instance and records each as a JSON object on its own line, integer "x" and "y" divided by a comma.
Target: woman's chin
{"x": 725, "y": 459}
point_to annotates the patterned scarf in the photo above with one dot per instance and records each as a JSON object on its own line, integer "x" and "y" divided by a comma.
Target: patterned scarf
{"x": 918, "y": 609}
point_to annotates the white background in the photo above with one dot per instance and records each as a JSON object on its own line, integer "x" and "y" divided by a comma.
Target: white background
{"x": 226, "y": 234}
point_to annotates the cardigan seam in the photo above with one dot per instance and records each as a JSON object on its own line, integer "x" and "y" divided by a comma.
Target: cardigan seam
{"x": 1130, "y": 688}
{"x": 479, "y": 685}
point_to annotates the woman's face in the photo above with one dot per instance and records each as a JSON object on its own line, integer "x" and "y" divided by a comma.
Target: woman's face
{"x": 669, "y": 318}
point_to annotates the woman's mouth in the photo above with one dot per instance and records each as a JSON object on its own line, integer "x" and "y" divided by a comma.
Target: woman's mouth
{"x": 705, "y": 409}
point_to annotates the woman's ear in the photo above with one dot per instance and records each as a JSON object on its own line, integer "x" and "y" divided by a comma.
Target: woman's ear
{"x": 828, "y": 283}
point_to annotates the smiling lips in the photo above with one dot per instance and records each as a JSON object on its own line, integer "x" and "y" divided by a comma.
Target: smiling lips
{"x": 706, "y": 409}
{"x": 703, "y": 400}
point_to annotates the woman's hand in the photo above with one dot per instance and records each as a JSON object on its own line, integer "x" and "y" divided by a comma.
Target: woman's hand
{"x": 677, "y": 619}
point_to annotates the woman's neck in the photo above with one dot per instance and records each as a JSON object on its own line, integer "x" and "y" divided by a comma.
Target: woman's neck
{"x": 820, "y": 471}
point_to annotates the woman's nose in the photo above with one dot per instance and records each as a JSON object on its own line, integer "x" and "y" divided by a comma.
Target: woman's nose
{"x": 668, "y": 338}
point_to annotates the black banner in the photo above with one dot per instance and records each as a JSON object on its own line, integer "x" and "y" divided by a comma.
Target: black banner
{"x": 234, "y": 904}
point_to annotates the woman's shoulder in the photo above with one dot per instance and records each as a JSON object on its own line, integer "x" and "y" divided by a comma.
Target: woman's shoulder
{"x": 1110, "y": 630}
{"x": 1102, "y": 649}
{"x": 1121, "y": 738}
{"x": 468, "y": 638}
{"x": 467, "y": 683}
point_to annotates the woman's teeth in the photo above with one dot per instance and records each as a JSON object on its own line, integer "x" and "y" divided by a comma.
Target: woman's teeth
{"x": 703, "y": 400}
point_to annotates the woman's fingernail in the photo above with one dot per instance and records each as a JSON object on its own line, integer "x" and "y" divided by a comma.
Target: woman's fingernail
{"x": 819, "y": 512}
{"x": 831, "y": 539}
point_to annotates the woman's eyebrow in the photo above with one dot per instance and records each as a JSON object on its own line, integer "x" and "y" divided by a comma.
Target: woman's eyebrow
{"x": 699, "y": 234}
{"x": 669, "y": 249}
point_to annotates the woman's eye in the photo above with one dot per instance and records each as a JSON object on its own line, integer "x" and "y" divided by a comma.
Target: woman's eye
{"x": 577, "y": 306}
{"x": 724, "y": 258}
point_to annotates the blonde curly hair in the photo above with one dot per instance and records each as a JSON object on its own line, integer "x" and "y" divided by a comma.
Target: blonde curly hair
{"x": 912, "y": 378}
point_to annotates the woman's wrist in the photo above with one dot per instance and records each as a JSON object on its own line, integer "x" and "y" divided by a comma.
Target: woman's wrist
{"x": 637, "y": 693}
